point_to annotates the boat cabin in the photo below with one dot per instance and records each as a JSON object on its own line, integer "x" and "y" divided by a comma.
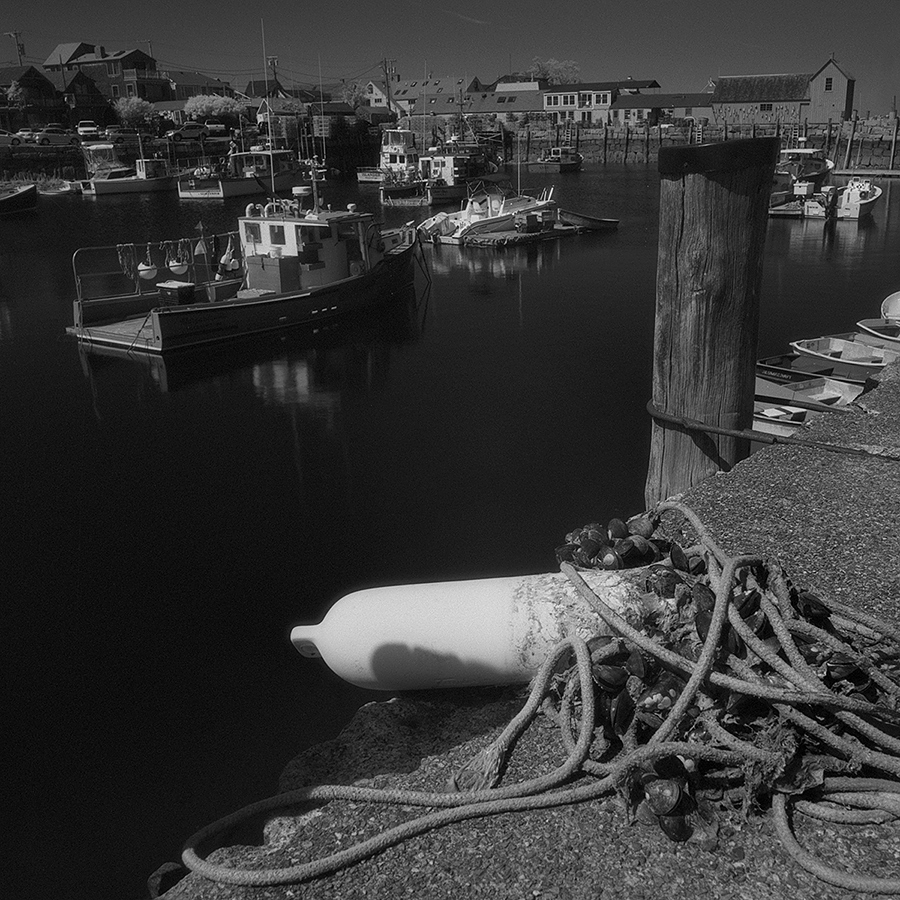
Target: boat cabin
{"x": 261, "y": 163}
{"x": 286, "y": 248}
{"x": 561, "y": 154}
{"x": 456, "y": 164}
{"x": 398, "y": 150}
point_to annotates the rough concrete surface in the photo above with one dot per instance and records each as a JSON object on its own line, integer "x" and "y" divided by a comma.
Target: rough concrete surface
{"x": 832, "y": 519}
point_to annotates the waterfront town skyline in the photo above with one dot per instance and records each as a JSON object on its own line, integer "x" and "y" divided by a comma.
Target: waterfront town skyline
{"x": 682, "y": 46}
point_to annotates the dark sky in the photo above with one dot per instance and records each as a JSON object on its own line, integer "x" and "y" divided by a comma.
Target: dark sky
{"x": 680, "y": 44}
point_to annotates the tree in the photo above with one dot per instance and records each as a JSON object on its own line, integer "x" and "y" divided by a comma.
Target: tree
{"x": 353, "y": 94}
{"x": 133, "y": 111}
{"x": 554, "y": 71}
{"x": 213, "y": 106}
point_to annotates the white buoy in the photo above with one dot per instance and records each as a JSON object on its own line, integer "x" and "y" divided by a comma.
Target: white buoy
{"x": 461, "y": 633}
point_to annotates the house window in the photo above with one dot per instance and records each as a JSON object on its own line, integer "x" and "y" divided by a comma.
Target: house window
{"x": 640, "y": 115}
{"x": 129, "y": 90}
{"x": 601, "y": 99}
{"x": 512, "y": 99}
{"x": 115, "y": 91}
{"x": 586, "y": 117}
{"x": 829, "y": 84}
{"x": 584, "y": 99}
{"x": 568, "y": 100}
{"x": 553, "y": 100}
{"x": 501, "y": 99}
{"x": 765, "y": 107}
{"x": 112, "y": 68}
{"x": 371, "y": 88}
{"x": 688, "y": 111}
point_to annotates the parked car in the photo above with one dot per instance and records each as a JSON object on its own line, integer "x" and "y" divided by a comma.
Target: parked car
{"x": 52, "y": 134}
{"x": 216, "y": 128}
{"x": 87, "y": 128}
{"x": 8, "y": 139}
{"x": 27, "y": 134}
{"x": 190, "y": 131}
{"x": 119, "y": 134}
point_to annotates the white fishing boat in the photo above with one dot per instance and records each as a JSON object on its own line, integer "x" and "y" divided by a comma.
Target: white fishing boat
{"x": 260, "y": 170}
{"x": 888, "y": 326}
{"x": 858, "y": 351}
{"x": 449, "y": 170}
{"x": 397, "y": 155}
{"x": 854, "y": 201}
{"x": 145, "y": 175}
{"x": 491, "y": 206}
{"x": 558, "y": 159}
{"x": 284, "y": 266}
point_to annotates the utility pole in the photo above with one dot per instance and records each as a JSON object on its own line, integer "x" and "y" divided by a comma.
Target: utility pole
{"x": 20, "y": 47}
{"x": 388, "y": 66}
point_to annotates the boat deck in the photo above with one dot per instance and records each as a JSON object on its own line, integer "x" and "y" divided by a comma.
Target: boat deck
{"x": 134, "y": 334}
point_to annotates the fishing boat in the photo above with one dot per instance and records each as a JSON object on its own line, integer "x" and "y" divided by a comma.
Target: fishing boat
{"x": 802, "y": 164}
{"x": 284, "y": 266}
{"x": 449, "y": 170}
{"x": 145, "y": 175}
{"x": 491, "y": 206}
{"x": 792, "y": 367}
{"x": 854, "y": 201}
{"x": 888, "y": 326}
{"x": 397, "y": 154}
{"x": 260, "y": 170}
{"x": 864, "y": 353}
{"x": 587, "y": 223}
{"x": 558, "y": 159}
{"x": 16, "y": 198}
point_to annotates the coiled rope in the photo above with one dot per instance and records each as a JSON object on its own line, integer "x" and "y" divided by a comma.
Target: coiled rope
{"x": 475, "y": 787}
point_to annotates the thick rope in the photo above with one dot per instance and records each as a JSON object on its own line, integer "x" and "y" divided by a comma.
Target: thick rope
{"x": 839, "y": 799}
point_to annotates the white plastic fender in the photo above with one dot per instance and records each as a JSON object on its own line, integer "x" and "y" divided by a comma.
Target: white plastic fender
{"x": 461, "y": 633}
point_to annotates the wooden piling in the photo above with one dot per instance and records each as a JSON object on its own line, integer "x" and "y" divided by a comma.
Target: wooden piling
{"x": 714, "y": 202}
{"x": 850, "y": 142}
{"x": 894, "y": 143}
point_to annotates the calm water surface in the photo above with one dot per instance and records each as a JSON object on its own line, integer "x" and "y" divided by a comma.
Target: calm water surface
{"x": 164, "y": 527}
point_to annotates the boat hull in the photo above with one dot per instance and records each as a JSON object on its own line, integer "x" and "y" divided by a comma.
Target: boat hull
{"x": 134, "y": 185}
{"x": 195, "y": 188}
{"x": 792, "y": 367}
{"x": 18, "y": 199}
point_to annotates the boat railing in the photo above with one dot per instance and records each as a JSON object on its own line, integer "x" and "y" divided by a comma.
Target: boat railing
{"x": 135, "y": 269}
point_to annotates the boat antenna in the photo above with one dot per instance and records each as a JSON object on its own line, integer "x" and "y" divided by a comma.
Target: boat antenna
{"x": 266, "y": 59}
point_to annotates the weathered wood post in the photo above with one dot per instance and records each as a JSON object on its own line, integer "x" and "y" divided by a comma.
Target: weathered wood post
{"x": 894, "y": 143}
{"x": 850, "y": 142}
{"x": 713, "y": 212}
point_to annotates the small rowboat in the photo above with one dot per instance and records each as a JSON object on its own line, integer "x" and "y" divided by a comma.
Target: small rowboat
{"x": 782, "y": 420}
{"x": 820, "y": 394}
{"x": 792, "y": 367}
{"x": 863, "y": 352}
{"x": 888, "y": 326}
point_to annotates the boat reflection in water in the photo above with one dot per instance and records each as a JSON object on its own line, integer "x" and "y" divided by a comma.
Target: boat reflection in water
{"x": 305, "y": 366}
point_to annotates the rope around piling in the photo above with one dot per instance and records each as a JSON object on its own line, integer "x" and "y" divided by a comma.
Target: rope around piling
{"x": 654, "y": 719}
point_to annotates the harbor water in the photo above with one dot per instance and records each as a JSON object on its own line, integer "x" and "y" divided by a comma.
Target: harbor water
{"x": 165, "y": 525}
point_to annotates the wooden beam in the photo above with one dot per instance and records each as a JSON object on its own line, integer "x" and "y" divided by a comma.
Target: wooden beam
{"x": 714, "y": 201}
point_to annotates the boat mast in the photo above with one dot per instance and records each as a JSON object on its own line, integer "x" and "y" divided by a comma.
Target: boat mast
{"x": 268, "y": 107}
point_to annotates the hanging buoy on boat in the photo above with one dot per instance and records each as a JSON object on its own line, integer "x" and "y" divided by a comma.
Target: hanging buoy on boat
{"x": 461, "y": 633}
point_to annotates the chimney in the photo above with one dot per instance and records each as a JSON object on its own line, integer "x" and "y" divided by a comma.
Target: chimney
{"x": 102, "y": 51}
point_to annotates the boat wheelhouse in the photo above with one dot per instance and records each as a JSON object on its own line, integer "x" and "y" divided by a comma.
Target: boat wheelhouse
{"x": 398, "y": 155}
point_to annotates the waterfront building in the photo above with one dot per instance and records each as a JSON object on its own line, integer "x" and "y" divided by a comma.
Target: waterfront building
{"x": 589, "y": 103}
{"x": 661, "y": 109}
{"x": 825, "y": 95}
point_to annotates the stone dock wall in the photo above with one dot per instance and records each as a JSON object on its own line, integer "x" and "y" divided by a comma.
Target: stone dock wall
{"x": 852, "y": 145}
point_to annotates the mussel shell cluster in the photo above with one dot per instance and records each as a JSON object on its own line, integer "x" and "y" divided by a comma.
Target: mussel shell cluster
{"x": 622, "y": 545}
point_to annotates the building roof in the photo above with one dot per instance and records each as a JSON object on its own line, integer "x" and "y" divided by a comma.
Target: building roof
{"x": 837, "y": 65}
{"x": 761, "y": 88}
{"x": 9, "y": 74}
{"x": 503, "y": 102}
{"x": 629, "y": 84}
{"x": 662, "y": 101}
{"x": 66, "y": 54}
{"x": 192, "y": 78}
